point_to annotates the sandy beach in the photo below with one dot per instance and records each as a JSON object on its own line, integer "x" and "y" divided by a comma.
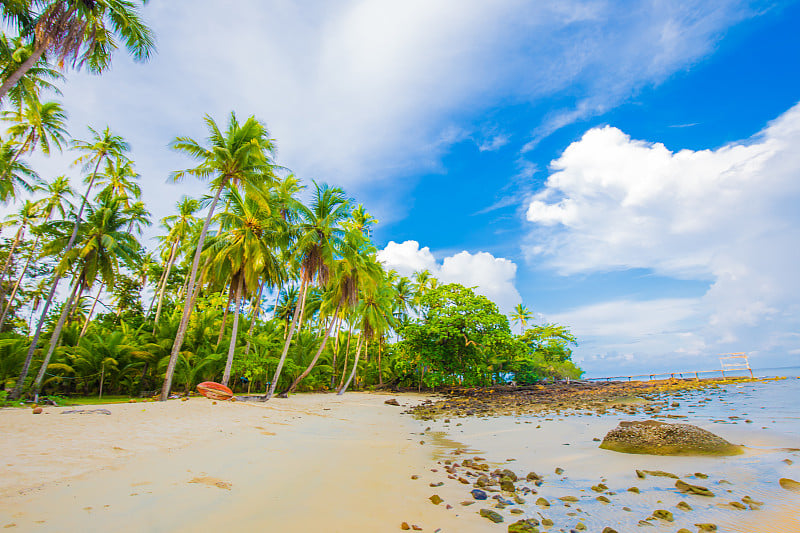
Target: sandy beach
{"x": 313, "y": 462}
{"x": 320, "y": 462}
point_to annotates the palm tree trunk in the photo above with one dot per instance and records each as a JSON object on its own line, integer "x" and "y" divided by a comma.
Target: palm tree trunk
{"x": 225, "y": 314}
{"x": 355, "y": 367}
{"x": 22, "y": 70}
{"x": 91, "y": 312}
{"x": 346, "y": 355}
{"x": 256, "y": 309}
{"x": 17, "y": 238}
{"x": 187, "y": 307}
{"x": 380, "y": 368}
{"x": 335, "y": 352}
{"x": 297, "y": 311}
{"x": 32, "y": 348}
{"x": 162, "y": 285}
{"x": 319, "y": 351}
{"x": 11, "y": 296}
{"x": 229, "y": 362}
{"x": 56, "y": 335}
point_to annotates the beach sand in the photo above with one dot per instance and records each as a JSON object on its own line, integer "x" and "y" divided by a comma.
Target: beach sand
{"x": 315, "y": 462}
{"x": 320, "y": 462}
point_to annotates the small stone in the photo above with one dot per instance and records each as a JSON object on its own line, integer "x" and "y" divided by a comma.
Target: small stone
{"x": 524, "y": 526}
{"x": 684, "y": 530}
{"x": 439, "y": 484}
{"x": 509, "y": 474}
{"x": 507, "y": 486}
{"x": 693, "y": 489}
{"x": 533, "y": 476}
{"x": 609, "y": 530}
{"x": 478, "y": 494}
{"x": 541, "y": 502}
{"x": 737, "y": 505}
{"x": 547, "y": 522}
{"x": 789, "y": 484}
{"x": 463, "y": 481}
{"x": 788, "y": 462}
{"x": 517, "y": 511}
{"x": 707, "y": 527}
{"x": 569, "y": 499}
{"x": 435, "y": 499}
{"x": 603, "y": 499}
{"x": 683, "y": 506}
{"x": 634, "y": 489}
{"x": 415, "y": 476}
{"x": 663, "y": 514}
{"x": 700, "y": 475}
{"x": 494, "y": 516}
{"x": 465, "y": 503}
{"x": 416, "y": 527}
{"x": 404, "y": 526}
{"x": 600, "y": 487}
{"x": 559, "y": 470}
{"x": 392, "y": 402}
{"x": 37, "y": 410}
{"x": 580, "y": 526}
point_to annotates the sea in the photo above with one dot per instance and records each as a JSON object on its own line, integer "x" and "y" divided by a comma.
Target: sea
{"x": 763, "y": 416}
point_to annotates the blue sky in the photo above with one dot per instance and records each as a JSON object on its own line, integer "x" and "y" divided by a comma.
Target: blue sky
{"x": 630, "y": 170}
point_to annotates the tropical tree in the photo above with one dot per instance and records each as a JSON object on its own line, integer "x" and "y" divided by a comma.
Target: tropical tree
{"x": 79, "y": 33}
{"x": 39, "y": 78}
{"x": 520, "y": 316}
{"x": 242, "y": 154}
{"x": 318, "y": 235}
{"x": 15, "y": 174}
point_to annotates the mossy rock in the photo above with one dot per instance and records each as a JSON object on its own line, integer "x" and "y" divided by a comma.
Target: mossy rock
{"x": 652, "y": 437}
{"x": 789, "y": 484}
{"x": 707, "y": 527}
{"x": 663, "y": 514}
{"x": 693, "y": 489}
{"x": 634, "y": 490}
{"x": 494, "y": 516}
{"x": 524, "y": 526}
{"x": 683, "y": 506}
{"x": 541, "y": 502}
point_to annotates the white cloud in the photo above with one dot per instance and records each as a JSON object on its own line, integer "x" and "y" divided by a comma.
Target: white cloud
{"x": 728, "y": 216}
{"x": 491, "y": 276}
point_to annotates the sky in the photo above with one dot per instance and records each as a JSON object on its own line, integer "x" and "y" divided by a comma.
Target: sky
{"x": 629, "y": 170}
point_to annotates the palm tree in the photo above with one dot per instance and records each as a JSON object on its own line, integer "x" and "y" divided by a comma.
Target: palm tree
{"x": 318, "y": 236}
{"x": 240, "y": 155}
{"x": 14, "y": 52}
{"x": 180, "y": 227}
{"x": 28, "y": 213}
{"x": 56, "y": 201}
{"x": 103, "y": 243}
{"x": 37, "y": 124}
{"x": 119, "y": 179}
{"x": 83, "y": 32}
{"x": 101, "y": 146}
{"x": 15, "y": 174}
{"x": 520, "y": 316}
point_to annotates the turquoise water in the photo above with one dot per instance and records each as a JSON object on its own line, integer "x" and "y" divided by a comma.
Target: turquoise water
{"x": 763, "y": 416}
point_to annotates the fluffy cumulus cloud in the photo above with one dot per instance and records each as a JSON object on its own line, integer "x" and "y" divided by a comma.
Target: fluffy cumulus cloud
{"x": 491, "y": 276}
{"x": 728, "y": 216}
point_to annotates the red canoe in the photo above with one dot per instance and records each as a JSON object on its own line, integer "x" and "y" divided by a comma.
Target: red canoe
{"x": 214, "y": 390}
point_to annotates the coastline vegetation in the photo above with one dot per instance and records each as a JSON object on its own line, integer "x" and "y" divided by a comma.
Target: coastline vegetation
{"x": 265, "y": 283}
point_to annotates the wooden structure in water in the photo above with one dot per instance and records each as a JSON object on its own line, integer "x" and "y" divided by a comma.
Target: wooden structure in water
{"x": 728, "y": 362}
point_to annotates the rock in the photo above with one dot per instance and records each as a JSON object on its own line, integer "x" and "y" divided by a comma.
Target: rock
{"x": 465, "y": 503}
{"x": 693, "y": 489}
{"x": 684, "y": 530}
{"x": 634, "y": 490}
{"x": 707, "y": 527}
{"x": 559, "y": 470}
{"x": 509, "y": 474}
{"x": 788, "y": 462}
{"x": 660, "y": 438}
{"x": 659, "y": 473}
{"x": 435, "y": 499}
{"x": 463, "y": 481}
{"x": 737, "y": 505}
{"x": 683, "y": 506}
{"x": 547, "y": 522}
{"x": 37, "y": 410}
{"x": 524, "y": 526}
{"x": 789, "y": 484}
{"x": 482, "y": 480}
{"x": 569, "y": 499}
{"x": 392, "y": 402}
{"x": 580, "y": 526}
{"x": 404, "y": 526}
{"x": 507, "y": 486}
{"x": 663, "y": 514}
{"x": 517, "y": 511}
{"x": 416, "y": 527}
{"x": 700, "y": 475}
{"x": 600, "y": 487}
{"x": 750, "y": 501}
{"x": 518, "y": 500}
{"x": 533, "y": 476}
{"x": 603, "y": 499}
{"x": 609, "y": 530}
{"x": 494, "y": 516}
{"x": 541, "y": 502}
{"x": 415, "y": 476}
{"x": 478, "y": 494}
{"x": 439, "y": 484}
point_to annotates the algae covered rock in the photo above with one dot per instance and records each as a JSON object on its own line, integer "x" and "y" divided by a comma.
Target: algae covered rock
{"x": 524, "y": 526}
{"x": 707, "y": 527}
{"x": 494, "y": 516}
{"x": 692, "y": 489}
{"x": 660, "y": 438}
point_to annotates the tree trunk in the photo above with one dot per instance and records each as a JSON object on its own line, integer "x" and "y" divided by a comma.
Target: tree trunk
{"x": 355, "y": 367}
{"x": 13, "y": 294}
{"x": 380, "y": 368}
{"x": 91, "y": 312}
{"x": 21, "y": 71}
{"x": 17, "y": 238}
{"x": 313, "y": 362}
{"x": 225, "y": 314}
{"x": 56, "y": 335}
{"x": 163, "y": 285}
{"x": 346, "y": 355}
{"x": 297, "y": 311}
{"x": 335, "y": 353}
{"x": 187, "y": 307}
{"x": 256, "y": 309}
{"x": 32, "y": 348}
{"x": 229, "y": 363}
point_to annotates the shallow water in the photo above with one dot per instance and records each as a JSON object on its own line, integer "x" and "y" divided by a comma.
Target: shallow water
{"x": 542, "y": 443}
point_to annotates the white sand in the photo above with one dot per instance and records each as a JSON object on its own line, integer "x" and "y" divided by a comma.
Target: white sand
{"x": 309, "y": 463}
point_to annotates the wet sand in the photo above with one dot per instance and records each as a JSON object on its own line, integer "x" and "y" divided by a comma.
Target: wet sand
{"x": 309, "y": 463}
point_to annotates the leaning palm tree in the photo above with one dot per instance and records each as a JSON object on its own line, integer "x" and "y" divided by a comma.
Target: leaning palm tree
{"x": 319, "y": 235}
{"x": 82, "y": 33}
{"x": 102, "y": 246}
{"x": 242, "y": 154}
{"x": 40, "y": 77}
{"x": 28, "y": 213}
{"x": 101, "y": 146}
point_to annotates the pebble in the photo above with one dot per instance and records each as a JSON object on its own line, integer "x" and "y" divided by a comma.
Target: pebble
{"x": 435, "y": 499}
{"x": 478, "y": 494}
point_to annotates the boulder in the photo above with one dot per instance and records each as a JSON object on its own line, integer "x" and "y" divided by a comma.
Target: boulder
{"x": 660, "y": 438}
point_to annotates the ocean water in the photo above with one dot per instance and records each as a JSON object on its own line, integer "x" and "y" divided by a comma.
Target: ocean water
{"x": 763, "y": 416}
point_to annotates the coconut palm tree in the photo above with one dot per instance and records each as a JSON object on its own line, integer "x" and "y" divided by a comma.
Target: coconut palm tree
{"x": 40, "y": 77}
{"x": 242, "y": 154}
{"x": 82, "y": 33}
{"x": 520, "y": 316}
{"x": 102, "y": 244}
{"x": 16, "y": 174}
{"x": 37, "y": 124}
{"x": 27, "y": 213}
{"x": 319, "y": 235}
